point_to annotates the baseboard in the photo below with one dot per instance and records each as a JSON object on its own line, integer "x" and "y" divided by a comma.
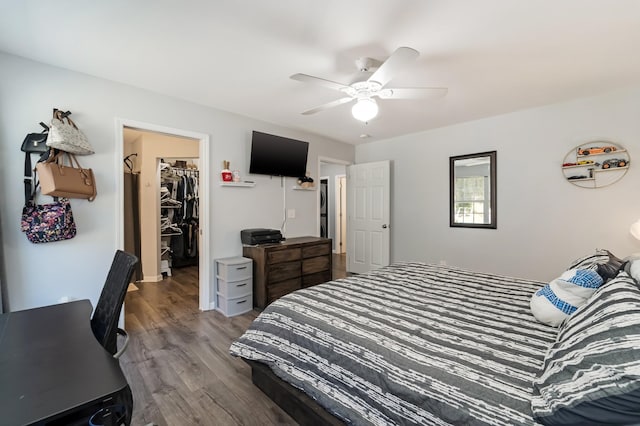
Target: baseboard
{"x": 152, "y": 278}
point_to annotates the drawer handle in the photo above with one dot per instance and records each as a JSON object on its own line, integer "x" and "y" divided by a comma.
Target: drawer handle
{"x": 241, "y": 285}
{"x": 241, "y": 267}
{"x": 242, "y": 301}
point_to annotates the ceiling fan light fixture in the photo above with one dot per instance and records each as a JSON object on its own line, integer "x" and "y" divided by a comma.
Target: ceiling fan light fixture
{"x": 365, "y": 109}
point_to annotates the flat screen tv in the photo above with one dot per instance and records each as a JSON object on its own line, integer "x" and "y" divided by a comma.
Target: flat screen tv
{"x": 278, "y": 156}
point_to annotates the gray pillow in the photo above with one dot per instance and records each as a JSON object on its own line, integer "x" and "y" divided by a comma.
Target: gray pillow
{"x": 591, "y": 374}
{"x": 610, "y": 269}
{"x": 591, "y": 261}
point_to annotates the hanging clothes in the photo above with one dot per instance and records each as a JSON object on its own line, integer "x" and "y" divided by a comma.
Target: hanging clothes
{"x": 132, "y": 243}
{"x": 180, "y": 205}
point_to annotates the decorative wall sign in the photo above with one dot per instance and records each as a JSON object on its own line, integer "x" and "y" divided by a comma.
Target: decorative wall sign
{"x": 596, "y": 164}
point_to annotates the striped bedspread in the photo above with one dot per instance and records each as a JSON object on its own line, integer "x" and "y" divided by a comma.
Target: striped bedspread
{"x": 408, "y": 344}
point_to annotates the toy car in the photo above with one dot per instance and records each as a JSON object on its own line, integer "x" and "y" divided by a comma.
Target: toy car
{"x": 596, "y": 150}
{"x": 581, "y": 163}
{"x": 614, "y": 162}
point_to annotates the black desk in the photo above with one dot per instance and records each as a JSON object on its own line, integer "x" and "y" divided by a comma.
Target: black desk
{"x": 53, "y": 370}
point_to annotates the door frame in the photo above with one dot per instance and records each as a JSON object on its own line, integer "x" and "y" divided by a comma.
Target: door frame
{"x": 340, "y": 211}
{"x": 320, "y": 179}
{"x": 204, "y": 269}
{"x": 329, "y": 160}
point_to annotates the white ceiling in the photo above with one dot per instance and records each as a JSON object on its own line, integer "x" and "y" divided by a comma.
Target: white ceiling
{"x": 495, "y": 56}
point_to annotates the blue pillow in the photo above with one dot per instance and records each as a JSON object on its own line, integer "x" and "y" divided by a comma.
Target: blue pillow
{"x": 554, "y": 302}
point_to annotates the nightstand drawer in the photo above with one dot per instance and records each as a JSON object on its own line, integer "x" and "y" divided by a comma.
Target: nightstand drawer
{"x": 235, "y": 306}
{"x": 234, "y": 268}
{"x": 230, "y": 289}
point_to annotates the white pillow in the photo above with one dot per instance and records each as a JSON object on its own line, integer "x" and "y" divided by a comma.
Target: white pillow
{"x": 554, "y": 302}
{"x": 632, "y": 266}
{"x": 634, "y": 269}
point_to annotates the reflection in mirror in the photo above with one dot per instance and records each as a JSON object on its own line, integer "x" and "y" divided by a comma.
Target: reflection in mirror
{"x": 472, "y": 189}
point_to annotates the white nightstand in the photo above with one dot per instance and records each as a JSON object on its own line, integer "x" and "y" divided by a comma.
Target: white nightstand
{"x": 234, "y": 285}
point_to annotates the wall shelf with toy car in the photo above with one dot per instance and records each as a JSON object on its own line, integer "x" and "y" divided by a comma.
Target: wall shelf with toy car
{"x": 595, "y": 164}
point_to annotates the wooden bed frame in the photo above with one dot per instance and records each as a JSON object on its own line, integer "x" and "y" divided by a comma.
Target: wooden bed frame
{"x": 294, "y": 402}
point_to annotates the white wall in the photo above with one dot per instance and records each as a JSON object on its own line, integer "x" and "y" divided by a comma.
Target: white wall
{"x": 40, "y": 274}
{"x": 543, "y": 221}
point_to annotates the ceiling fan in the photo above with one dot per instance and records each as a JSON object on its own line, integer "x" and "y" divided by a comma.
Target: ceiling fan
{"x": 364, "y": 91}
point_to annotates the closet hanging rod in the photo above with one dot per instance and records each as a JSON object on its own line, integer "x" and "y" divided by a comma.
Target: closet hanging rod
{"x": 179, "y": 171}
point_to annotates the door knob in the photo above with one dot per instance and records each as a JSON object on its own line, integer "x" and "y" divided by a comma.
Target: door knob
{"x": 384, "y": 226}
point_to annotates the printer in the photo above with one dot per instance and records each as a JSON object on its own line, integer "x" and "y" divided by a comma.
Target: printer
{"x": 260, "y": 236}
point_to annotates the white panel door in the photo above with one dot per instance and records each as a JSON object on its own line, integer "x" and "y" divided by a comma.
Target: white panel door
{"x": 368, "y": 195}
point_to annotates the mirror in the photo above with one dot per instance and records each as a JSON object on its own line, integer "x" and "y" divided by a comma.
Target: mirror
{"x": 472, "y": 190}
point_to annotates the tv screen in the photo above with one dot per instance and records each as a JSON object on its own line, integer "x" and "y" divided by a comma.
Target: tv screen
{"x": 278, "y": 156}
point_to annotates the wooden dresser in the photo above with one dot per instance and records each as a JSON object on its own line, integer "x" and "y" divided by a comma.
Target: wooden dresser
{"x": 281, "y": 268}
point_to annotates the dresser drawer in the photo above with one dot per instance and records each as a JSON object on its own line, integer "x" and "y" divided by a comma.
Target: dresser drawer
{"x": 235, "y": 306}
{"x": 316, "y": 250}
{"x": 317, "y": 278}
{"x": 283, "y": 271}
{"x": 315, "y": 264}
{"x": 230, "y": 289}
{"x": 286, "y": 255}
{"x": 234, "y": 268}
{"x": 275, "y": 291}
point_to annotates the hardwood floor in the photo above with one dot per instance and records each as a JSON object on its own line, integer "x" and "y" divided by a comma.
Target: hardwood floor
{"x": 178, "y": 363}
{"x": 339, "y": 264}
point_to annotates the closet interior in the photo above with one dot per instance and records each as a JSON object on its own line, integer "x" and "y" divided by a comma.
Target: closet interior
{"x": 179, "y": 224}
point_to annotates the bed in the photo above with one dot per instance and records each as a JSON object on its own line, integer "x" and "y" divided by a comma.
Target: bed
{"x": 411, "y": 343}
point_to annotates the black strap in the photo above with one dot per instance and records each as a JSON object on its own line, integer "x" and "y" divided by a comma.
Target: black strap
{"x": 29, "y": 180}
{"x": 30, "y": 177}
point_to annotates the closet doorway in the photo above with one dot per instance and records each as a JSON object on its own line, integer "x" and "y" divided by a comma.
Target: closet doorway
{"x": 170, "y": 202}
{"x": 332, "y": 207}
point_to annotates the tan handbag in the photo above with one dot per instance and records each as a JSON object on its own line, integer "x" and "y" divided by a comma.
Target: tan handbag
{"x": 59, "y": 180}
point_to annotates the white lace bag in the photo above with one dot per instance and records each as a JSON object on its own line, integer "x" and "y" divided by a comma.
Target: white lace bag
{"x": 65, "y": 135}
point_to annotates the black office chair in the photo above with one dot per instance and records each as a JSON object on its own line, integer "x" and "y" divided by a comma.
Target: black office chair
{"x": 104, "y": 321}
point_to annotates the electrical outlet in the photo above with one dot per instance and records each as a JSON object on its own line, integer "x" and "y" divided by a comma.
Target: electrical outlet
{"x": 291, "y": 213}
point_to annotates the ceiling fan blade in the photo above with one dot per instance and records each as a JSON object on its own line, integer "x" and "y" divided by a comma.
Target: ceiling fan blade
{"x": 319, "y": 81}
{"x": 413, "y": 93}
{"x": 327, "y": 106}
{"x": 396, "y": 62}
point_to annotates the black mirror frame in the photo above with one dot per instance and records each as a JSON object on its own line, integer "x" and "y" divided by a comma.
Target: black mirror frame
{"x": 493, "y": 224}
